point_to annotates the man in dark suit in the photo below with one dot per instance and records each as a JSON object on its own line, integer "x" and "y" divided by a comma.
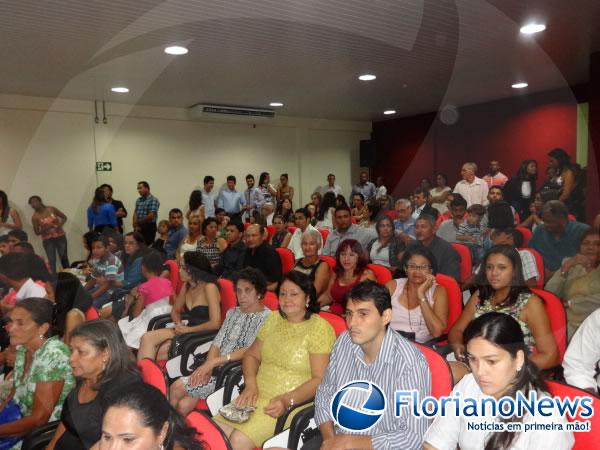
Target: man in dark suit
{"x": 422, "y": 205}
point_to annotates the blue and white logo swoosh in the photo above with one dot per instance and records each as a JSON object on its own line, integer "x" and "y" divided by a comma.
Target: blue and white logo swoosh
{"x": 360, "y": 418}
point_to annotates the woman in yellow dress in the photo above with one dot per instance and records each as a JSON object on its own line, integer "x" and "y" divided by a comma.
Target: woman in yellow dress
{"x": 284, "y": 365}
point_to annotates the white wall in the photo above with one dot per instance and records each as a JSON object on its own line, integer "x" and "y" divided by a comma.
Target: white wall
{"x": 49, "y": 147}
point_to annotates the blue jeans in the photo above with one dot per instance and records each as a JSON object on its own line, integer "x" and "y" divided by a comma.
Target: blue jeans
{"x": 52, "y": 246}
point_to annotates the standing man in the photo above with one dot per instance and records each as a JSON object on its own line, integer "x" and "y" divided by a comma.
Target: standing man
{"x": 331, "y": 186}
{"x": 146, "y": 213}
{"x": 209, "y": 197}
{"x": 252, "y": 196}
{"x": 301, "y": 220}
{"x": 120, "y": 210}
{"x": 370, "y": 351}
{"x": 176, "y": 232}
{"x": 231, "y": 200}
{"x": 495, "y": 177}
{"x": 345, "y": 229}
{"x": 48, "y": 223}
{"x": 381, "y": 191}
{"x": 474, "y": 190}
{"x": 364, "y": 187}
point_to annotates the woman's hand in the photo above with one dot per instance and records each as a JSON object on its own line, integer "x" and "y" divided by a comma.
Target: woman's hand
{"x": 425, "y": 286}
{"x": 247, "y": 397}
{"x": 181, "y": 329}
{"x": 201, "y": 375}
{"x": 276, "y": 407}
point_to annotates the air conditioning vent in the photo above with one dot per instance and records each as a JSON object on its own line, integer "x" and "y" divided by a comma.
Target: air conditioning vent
{"x": 241, "y": 113}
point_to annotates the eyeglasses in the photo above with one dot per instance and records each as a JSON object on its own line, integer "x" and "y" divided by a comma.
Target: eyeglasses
{"x": 415, "y": 268}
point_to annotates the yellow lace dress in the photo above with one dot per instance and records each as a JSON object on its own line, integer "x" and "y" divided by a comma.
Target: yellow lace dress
{"x": 285, "y": 365}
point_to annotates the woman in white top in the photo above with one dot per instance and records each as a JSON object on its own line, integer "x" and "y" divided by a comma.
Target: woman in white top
{"x": 326, "y": 211}
{"x": 191, "y": 241}
{"x": 439, "y": 194}
{"x": 419, "y": 305}
{"x": 497, "y": 355}
{"x": 9, "y": 217}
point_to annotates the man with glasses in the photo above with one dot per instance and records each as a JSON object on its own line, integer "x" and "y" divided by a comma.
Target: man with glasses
{"x": 446, "y": 258}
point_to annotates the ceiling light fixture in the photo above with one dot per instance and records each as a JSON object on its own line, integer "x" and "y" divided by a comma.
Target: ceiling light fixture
{"x": 176, "y": 50}
{"x": 367, "y": 77}
{"x": 519, "y": 85}
{"x": 120, "y": 90}
{"x": 532, "y": 28}
{"x": 389, "y": 112}
{"x": 276, "y": 104}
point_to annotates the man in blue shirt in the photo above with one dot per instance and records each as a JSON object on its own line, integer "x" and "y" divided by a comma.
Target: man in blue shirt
{"x": 404, "y": 225}
{"x": 176, "y": 232}
{"x": 209, "y": 197}
{"x": 558, "y": 238}
{"x": 371, "y": 351}
{"x": 231, "y": 200}
{"x": 364, "y": 187}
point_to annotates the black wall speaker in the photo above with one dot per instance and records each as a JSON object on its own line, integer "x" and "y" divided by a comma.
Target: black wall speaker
{"x": 368, "y": 154}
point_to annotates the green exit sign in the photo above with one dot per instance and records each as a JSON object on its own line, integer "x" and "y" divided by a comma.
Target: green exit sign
{"x": 103, "y": 166}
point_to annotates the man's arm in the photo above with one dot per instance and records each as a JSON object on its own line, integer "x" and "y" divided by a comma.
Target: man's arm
{"x": 583, "y": 353}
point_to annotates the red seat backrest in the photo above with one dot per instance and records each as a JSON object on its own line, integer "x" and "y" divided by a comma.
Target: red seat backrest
{"x": 539, "y": 262}
{"x": 324, "y": 234}
{"x": 287, "y": 259}
{"x": 441, "y": 376}
{"x": 228, "y": 297}
{"x": 92, "y": 314}
{"x": 208, "y": 431}
{"x": 572, "y": 218}
{"x": 583, "y": 440}
{"x": 455, "y": 304}
{"x": 382, "y": 273}
{"x": 152, "y": 375}
{"x": 174, "y": 274}
{"x": 466, "y": 265}
{"x": 558, "y": 319}
{"x": 338, "y": 323}
{"x": 526, "y": 233}
{"x": 246, "y": 225}
{"x": 329, "y": 260}
{"x": 270, "y": 231}
{"x": 292, "y": 229}
{"x": 271, "y": 301}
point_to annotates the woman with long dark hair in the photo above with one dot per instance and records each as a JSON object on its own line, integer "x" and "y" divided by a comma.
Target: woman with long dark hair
{"x": 285, "y": 209}
{"x": 501, "y": 367}
{"x": 326, "y": 211}
{"x": 268, "y": 191}
{"x": 386, "y": 249}
{"x": 101, "y": 213}
{"x": 9, "y": 217}
{"x": 196, "y": 208}
{"x": 502, "y": 288}
{"x": 71, "y": 303}
{"x": 520, "y": 190}
{"x": 570, "y": 182}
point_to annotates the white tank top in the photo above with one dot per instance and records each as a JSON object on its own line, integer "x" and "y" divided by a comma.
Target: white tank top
{"x": 410, "y": 321}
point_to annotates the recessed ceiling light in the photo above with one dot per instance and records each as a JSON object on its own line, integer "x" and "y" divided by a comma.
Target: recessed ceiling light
{"x": 532, "y": 28}
{"x": 367, "y": 77}
{"x": 519, "y": 85}
{"x": 120, "y": 90}
{"x": 176, "y": 50}
{"x": 276, "y": 104}
{"x": 389, "y": 112}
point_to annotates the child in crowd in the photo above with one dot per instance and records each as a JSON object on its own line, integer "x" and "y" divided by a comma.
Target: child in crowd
{"x": 106, "y": 272}
{"x": 470, "y": 232}
{"x": 148, "y": 300}
{"x": 4, "y": 246}
{"x": 163, "y": 234}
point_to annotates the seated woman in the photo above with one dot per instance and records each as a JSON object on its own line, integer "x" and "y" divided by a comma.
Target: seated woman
{"x": 386, "y": 249}
{"x": 199, "y": 297}
{"x": 358, "y": 207}
{"x": 326, "y": 211}
{"x": 501, "y": 288}
{"x": 42, "y": 374}
{"x": 577, "y": 282}
{"x": 141, "y": 417}
{"x": 498, "y": 356}
{"x": 350, "y": 269}
{"x": 149, "y": 300}
{"x": 190, "y": 242}
{"x": 419, "y": 305}
{"x": 210, "y": 245}
{"x": 281, "y": 237}
{"x": 311, "y": 264}
{"x": 72, "y": 302}
{"x": 163, "y": 235}
{"x": 284, "y": 365}
{"x": 370, "y": 214}
{"x": 286, "y": 210}
{"x": 235, "y": 336}
{"x": 101, "y": 363}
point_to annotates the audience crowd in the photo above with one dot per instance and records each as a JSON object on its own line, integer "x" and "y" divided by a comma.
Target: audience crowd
{"x": 390, "y": 271}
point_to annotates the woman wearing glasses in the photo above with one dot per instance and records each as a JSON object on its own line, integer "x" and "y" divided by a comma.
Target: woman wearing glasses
{"x": 419, "y": 305}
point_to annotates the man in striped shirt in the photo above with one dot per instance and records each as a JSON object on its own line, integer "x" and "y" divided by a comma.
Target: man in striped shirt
{"x": 371, "y": 351}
